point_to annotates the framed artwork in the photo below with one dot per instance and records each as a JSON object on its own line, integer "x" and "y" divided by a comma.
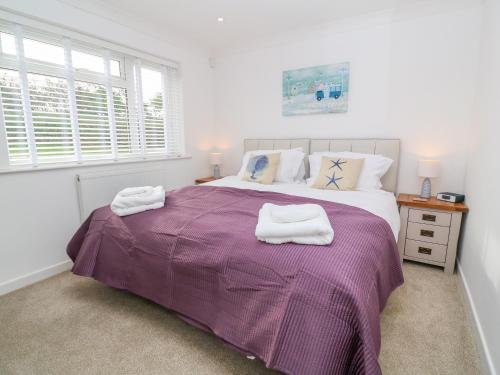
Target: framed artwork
{"x": 318, "y": 89}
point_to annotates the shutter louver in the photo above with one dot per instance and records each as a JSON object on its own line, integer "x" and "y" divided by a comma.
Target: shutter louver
{"x": 51, "y": 118}
{"x": 174, "y": 112}
{"x": 93, "y": 122}
{"x": 153, "y": 109}
{"x": 153, "y": 125}
{"x": 15, "y": 128}
{"x": 127, "y": 132}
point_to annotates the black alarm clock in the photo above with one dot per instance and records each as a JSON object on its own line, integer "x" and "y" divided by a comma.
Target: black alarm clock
{"x": 451, "y": 197}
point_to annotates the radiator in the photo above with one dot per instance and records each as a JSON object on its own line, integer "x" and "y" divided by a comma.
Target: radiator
{"x": 97, "y": 189}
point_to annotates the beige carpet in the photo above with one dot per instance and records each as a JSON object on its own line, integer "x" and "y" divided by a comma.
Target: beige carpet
{"x": 74, "y": 325}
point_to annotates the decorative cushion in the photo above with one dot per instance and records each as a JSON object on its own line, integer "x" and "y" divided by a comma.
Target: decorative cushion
{"x": 289, "y": 165}
{"x": 262, "y": 168}
{"x": 374, "y": 167}
{"x": 338, "y": 173}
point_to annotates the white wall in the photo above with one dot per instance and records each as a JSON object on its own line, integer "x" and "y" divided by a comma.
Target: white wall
{"x": 412, "y": 77}
{"x": 480, "y": 255}
{"x": 39, "y": 210}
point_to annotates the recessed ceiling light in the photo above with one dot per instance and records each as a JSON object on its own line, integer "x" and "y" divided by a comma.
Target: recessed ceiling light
{"x": 220, "y": 19}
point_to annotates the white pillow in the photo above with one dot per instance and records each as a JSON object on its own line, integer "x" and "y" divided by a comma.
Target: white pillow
{"x": 301, "y": 173}
{"x": 290, "y": 162}
{"x": 374, "y": 168}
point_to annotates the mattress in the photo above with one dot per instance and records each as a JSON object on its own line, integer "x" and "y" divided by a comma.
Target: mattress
{"x": 301, "y": 309}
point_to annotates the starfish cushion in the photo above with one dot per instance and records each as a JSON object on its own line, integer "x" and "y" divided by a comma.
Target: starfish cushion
{"x": 338, "y": 173}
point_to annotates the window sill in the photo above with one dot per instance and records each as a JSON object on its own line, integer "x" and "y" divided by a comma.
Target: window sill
{"x": 87, "y": 164}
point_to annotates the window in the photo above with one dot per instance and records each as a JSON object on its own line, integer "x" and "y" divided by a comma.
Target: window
{"x": 87, "y": 62}
{"x": 62, "y": 100}
{"x": 33, "y": 49}
{"x": 8, "y": 43}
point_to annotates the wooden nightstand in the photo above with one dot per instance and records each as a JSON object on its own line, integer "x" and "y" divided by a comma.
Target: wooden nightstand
{"x": 430, "y": 230}
{"x": 205, "y": 179}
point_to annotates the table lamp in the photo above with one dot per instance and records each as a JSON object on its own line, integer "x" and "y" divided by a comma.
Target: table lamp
{"x": 427, "y": 169}
{"x": 215, "y": 159}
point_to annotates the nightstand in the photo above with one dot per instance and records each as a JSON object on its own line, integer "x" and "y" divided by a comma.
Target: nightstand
{"x": 205, "y": 179}
{"x": 430, "y": 230}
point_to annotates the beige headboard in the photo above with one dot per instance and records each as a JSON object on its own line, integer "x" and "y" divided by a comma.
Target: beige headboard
{"x": 384, "y": 147}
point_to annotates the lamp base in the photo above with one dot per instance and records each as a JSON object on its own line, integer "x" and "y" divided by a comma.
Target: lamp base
{"x": 216, "y": 171}
{"x": 426, "y": 189}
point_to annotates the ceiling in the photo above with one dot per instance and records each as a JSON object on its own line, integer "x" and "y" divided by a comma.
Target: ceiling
{"x": 244, "y": 20}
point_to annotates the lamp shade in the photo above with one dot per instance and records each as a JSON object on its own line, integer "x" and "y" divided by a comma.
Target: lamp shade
{"x": 428, "y": 168}
{"x": 215, "y": 158}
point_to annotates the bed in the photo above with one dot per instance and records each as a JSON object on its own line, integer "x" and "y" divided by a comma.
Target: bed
{"x": 301, "y": 309}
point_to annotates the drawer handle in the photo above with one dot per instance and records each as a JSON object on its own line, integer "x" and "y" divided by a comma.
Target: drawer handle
{"x": 424, "y": 250}
{"x": 426, "y": 233}
{"x": 427, "y": 217}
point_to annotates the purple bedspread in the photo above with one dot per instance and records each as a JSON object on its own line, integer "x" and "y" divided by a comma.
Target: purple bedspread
{"x": 302, "y": 309}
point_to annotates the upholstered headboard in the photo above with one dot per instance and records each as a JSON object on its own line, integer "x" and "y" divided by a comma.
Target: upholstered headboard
{"x": 384, "y": 147}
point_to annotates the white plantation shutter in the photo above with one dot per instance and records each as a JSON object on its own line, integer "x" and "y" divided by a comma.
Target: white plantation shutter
{"x": 61, "y": 101}
{"x": 154, "y": 115}
{"x": 23, "y": 77}
{"x": 153, "y": 110}
{"x": 13, "y": 117}
{"x": 51, "y": 118}
{"x": 127, "y": 131}
{"x": 174, "y": 119}
{"x": 93, "y": 121}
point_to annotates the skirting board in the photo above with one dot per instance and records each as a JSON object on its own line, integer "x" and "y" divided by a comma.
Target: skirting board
{"x": 478, "y": 329}
{"x": 33, "y": 277}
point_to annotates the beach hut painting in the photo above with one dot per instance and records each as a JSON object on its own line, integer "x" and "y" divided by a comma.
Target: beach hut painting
{"x": 318, "y": 89}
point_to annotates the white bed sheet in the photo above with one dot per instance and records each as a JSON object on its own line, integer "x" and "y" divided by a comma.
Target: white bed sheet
{"x": 378, "y": 202}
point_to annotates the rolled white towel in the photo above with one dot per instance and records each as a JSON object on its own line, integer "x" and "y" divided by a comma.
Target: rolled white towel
{"x": 293, "y": 213}
{"x": 140, "y": 190}
{"x": 129, "y": 204}
{"x": 317, "y": 231}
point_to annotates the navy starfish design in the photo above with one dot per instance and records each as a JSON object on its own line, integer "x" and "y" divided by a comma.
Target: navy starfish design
{"x": 333, "y": 180}
{"x": 337, "y": 164}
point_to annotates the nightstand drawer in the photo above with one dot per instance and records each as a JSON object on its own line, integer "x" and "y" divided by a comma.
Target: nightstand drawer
{"x": 428, "y": 233}
{"x": 430, "y": 217}
{"x": 425, "y": 250}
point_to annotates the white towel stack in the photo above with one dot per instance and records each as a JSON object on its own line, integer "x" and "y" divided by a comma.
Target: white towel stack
{"x": 303, "y": 223}
{"x": 138, "y": 199}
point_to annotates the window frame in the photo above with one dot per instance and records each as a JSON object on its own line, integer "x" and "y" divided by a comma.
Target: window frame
{"x": 108, "y": 51}
{"x": 86, "y": 75}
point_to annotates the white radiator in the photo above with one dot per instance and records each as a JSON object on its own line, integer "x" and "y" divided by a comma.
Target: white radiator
{"x": 97, "y": 189}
